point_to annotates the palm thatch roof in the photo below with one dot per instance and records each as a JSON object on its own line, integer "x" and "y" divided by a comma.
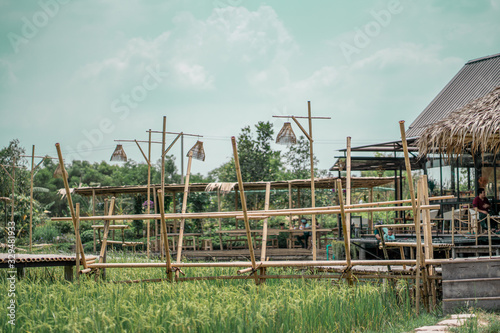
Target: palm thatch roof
{"x": 474, "y": 128}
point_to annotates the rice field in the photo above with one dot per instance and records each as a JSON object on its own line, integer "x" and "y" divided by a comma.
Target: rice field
{"x": 47, "y": 303}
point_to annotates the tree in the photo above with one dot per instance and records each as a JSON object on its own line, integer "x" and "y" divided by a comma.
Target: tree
{"x": 258, "y": 162}
{"x": 298, "y": 159}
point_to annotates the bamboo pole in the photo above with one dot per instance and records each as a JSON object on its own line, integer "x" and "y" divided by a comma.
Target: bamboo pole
{"x": 347, "y": 242}
{"x": 157, "y": 245}
{"x": 164, "y": 233}
{"x": 219, "y": 220}
{"x": 13, "y": 187}
{"x": 93, "y": 214}
{"x": 184, "y": 206}
{"x": 244, "y": 208}
{"x": 68, "y": 195}
{"x": 264, "y": 231}
{"x": 267, "y": 264}
{"x": 453, "y": 226}
{"x": 348, "y": 185}
{"x": 31, "y": 196}
{"x": 370, "y": 222}
{"x": 415, "y": 213}
{"x": 489, "y": 233}
{"x": 238, "y": 213}
{"x": 77, "y": 240}
{"x": 106, "y": 229}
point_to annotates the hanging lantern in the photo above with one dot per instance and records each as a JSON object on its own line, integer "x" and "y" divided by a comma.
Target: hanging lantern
{"x": 119, "y": 154}
{"x": 286, "y": 136}
{"x": 58, "y": 172}
{"x": 198, "y": 151}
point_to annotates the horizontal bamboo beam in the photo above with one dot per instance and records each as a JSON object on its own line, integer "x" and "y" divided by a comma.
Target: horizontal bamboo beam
{"x": 261, "y": 264}
{"x": 237, "y": 213}
{"x": 408, "y": 244}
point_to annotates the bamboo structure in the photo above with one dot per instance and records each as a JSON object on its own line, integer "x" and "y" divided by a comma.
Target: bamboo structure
{"x": 416, "y": 217}
{"x": 244, "y": 208}
{"x": 184, "y": 206}
{"x": 164, "y": 234}
{"x": 347, "y": 236}
{"x": 70, "y": 201}
{"x": 264, "y": 231}
{"x": 348, "y": 185}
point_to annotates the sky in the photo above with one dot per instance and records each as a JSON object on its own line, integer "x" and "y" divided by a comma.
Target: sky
{"x": 86, "y": 73}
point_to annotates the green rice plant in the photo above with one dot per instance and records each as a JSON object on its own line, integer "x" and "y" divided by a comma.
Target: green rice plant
{"x": 47, "y": 303}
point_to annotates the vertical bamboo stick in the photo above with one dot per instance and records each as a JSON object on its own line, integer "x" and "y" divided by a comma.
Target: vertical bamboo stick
{"x": 415, "y": 214}
{"x": 162, "y": 200}
{"x": 370, "y": 222}
{"x": 453, "y": 226}
{"x": 77, "y": 240}
{"x": 13, "y": 187}
{"x": 348, "y": 185}
{"x": 174, "y": 204}
{"x": 264, "y": 231}
{"x": 68, "y": 196}
{"x": 313, "y": 194}
{"x": 157, "y": 244}
{"x": 164, "y": 233}
{"x": 148, "y": 223}
{"x": 489, "y": 233}
{"x": 93, "y": 214}
{"x": 347, "y": 241}
{"x": 31, "y": 196}
{"x": 106, "y": 231}
{"x": 184, "y": 206}
{"x": 244, "y": 209}
{"x": 219, "y": 219}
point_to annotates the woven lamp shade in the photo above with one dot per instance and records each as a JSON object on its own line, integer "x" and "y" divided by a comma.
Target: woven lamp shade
{"x": 286, "y": 136}
{"x": 198, "y": 151}
{"x": 58, "y": 172}
{"x": 119, "y": 154}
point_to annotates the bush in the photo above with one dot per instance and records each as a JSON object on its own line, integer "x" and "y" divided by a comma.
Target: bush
{"x": 87, "y": 236}
{"x": 64, "y": 227}
{"x": 45, "y": 233}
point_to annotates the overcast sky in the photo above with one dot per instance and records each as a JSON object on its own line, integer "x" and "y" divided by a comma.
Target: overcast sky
{"x": 84, "y": 73}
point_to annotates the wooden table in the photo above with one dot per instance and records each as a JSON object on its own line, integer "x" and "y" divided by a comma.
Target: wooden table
{"x": 100, "y": 227}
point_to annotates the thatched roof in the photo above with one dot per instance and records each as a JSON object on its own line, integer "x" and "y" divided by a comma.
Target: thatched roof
{"x": 474, "y": 128}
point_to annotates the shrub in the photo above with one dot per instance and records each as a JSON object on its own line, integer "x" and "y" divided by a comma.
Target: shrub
{"x": 45, "y": 233}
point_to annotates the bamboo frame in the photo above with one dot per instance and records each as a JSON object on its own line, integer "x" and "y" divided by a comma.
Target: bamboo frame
{"x": 68, "y": 196}
{"x": 284, "y": 212}
{"x": 416, "y": 216}
{"x": 184, "y": 206}
{"x": 77, "y": 240}
{"x": 264, "y": 228}
{"x": 348, "y": 186}
{"x": 244, "y": 208}
{"x": 164, "y": 234}
{"x": 106, "y": 231}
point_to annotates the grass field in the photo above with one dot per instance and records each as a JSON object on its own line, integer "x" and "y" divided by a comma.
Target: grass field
{"x": 47, "y": 303}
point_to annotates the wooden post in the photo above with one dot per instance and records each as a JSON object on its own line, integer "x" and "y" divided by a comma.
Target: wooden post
{"x": 244, "y": 209}
{"x": 220, "y": 220}
{"x": 184, "y": 206}
{"x": 174, "y": 204}
{"x": 164, "y": 233}
{"x": 68, "y": 196}
{"x": 77, "y": 240}
{"x": 489, "y": 233}
{"x": 453, "y": 226}
{"x": 93, "y": 214}
{"x": 157, "y": 244}
{"x": 264, "y": 231}
{"x": 348, "y": 186}
{"x": 415, "y": 214}
{"x": 313, "y": 194}
{"x": 104, "y": 243}
{"x": 347, "y": 241}
{"x": 31, "y": 196}
{"x": 370, "y": 221}
{"x": 13, "y": 188}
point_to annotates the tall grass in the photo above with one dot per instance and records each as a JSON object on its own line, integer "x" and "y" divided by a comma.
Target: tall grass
{"x": 46, "y": 305}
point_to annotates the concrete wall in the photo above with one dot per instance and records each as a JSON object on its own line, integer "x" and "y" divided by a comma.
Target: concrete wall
{"x": 474, "y": 284}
